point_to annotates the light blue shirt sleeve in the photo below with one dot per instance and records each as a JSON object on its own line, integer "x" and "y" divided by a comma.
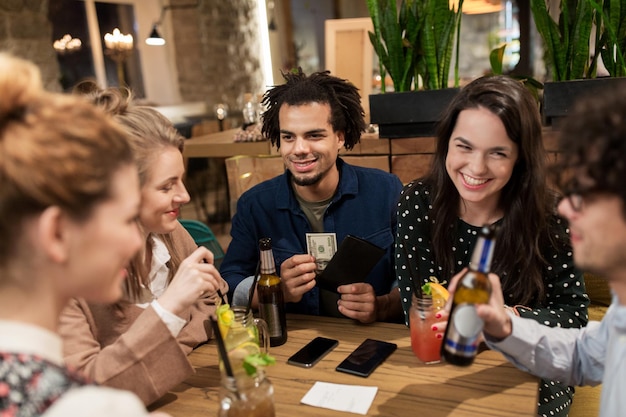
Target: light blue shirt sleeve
{"x": 588, "y": 356}
{"x": 566, "y": 355}
{"x": 240, "y": 295}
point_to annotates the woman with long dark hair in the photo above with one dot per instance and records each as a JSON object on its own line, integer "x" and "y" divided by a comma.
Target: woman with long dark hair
{"x": 490, "y": 168}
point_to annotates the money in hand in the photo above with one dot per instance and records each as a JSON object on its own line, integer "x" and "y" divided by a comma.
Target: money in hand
{"x": 322, "y": 246}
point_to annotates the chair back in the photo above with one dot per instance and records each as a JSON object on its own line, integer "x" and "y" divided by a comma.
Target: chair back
{"x": 244, "y": 172}
{"x": 204, "y": 236}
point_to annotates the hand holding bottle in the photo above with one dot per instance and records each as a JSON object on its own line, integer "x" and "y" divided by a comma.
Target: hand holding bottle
{"x": 497, "y": 320}
{"x": 473, "y": 288}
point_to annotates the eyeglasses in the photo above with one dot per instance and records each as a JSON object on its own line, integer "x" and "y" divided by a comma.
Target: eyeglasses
{"x": 577, "y": 196}
{"x": 575, "y": 200}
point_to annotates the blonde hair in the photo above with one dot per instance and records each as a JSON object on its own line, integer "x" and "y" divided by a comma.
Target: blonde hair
{"x": 149, "y": 132}
{"x": 55, "y": 150}
{"x": 148, "y": 129}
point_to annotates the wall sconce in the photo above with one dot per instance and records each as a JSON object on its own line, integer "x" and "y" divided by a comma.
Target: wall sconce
{"x": 155, "y": 38}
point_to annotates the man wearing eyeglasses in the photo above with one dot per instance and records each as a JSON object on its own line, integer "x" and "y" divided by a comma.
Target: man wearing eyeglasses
{"x": 592, "y": 172}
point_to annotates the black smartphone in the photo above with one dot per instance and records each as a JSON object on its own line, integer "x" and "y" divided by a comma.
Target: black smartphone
{"x": 365, "y": 358}
{"x": 312, "y": 352}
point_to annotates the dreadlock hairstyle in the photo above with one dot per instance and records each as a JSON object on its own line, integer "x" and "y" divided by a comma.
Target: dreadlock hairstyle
{"x": 525, "y": 200}
{"x": 346, "y": 112}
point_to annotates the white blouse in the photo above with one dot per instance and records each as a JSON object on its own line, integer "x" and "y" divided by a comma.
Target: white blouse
{"x": 159, "y": 272}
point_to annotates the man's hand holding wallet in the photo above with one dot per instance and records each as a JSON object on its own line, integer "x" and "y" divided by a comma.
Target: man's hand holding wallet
{"x": 351, "y": 263}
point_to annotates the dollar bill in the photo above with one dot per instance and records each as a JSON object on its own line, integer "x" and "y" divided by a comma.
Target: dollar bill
{"x": 322, "y": 246}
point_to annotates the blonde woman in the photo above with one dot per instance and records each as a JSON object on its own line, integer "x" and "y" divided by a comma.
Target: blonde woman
{"x": 141, "y": 343}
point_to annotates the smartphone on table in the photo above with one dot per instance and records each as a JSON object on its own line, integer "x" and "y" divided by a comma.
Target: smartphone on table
{"x": 312, "y": 352}
{"x": 365, "y": 358}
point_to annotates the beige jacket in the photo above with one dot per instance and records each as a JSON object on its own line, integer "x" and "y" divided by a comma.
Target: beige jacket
{"x": 132, "y": 348}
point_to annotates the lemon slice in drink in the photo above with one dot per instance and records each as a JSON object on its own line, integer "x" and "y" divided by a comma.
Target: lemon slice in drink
{"x": 225, "y": 318}
{"x": 438, "y": 292}
{"x": 240, "y": 352}
{"x": 238, "y": 355}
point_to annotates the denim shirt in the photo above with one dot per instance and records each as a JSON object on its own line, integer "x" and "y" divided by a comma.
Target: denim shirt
{"x": 364, "y": 205}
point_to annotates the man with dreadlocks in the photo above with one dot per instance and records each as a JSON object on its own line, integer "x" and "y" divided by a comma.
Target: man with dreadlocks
{"x": 309, "y": 119}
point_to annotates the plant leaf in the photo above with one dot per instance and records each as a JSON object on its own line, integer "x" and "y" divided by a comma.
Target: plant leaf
{"x": 550, "y": 33}
{"x": 416, "y": 41}
{"x": 253, "y": 362}
{"x": 496, "y": 56}
{"x": 579, "y": 40}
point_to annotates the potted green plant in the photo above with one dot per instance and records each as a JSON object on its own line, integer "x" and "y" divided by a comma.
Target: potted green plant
{"x": 572, "y": 64}
{"x": 612, "y": 35}
{"x": 414, "y": 45}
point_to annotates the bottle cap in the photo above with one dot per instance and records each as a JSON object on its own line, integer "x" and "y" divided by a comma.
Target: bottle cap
{"x": 265, "y": 243}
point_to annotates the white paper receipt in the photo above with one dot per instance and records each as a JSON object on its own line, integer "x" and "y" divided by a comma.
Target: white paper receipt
{"x": 351, "y": 398}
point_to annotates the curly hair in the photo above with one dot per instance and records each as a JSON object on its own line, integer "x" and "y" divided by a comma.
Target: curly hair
{"x": 525, "y": 199}
{"x": 346, "y": 112}
{"x": 593, "y": 146}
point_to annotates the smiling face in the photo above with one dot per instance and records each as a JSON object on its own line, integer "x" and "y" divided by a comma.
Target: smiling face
{"x": 309, "y": 148}
{"x": 480, "y": 159}
{"x": 163, "y": 193}
{"x": 103, "y": 245}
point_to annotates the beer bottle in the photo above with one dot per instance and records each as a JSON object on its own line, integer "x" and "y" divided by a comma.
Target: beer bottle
{"x": 270, "y": 295}
{"x": 460, "y": 343}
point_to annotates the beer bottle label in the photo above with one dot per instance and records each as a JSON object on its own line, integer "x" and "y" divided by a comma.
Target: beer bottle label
{"x": 462, "y": 338}
{"x": 271, "y": 315}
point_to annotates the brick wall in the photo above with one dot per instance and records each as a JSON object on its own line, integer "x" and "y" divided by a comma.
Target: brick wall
{"x": 217, "y": 51}
{"x": 26, "y": 32}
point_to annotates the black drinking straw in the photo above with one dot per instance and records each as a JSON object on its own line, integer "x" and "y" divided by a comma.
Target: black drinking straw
{"x": 219, "y": 292}
{"x": 417, "y": 289}
{"x": 222, "y": 349}
{"x": 251, "y": 291}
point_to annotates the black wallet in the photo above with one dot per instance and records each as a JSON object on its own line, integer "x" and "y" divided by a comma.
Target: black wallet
{"x": 352, "y": 263}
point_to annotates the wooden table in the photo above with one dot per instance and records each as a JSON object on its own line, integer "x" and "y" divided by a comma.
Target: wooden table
{"x": 221, "y": 145}
{"x": 489, "y": 387}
